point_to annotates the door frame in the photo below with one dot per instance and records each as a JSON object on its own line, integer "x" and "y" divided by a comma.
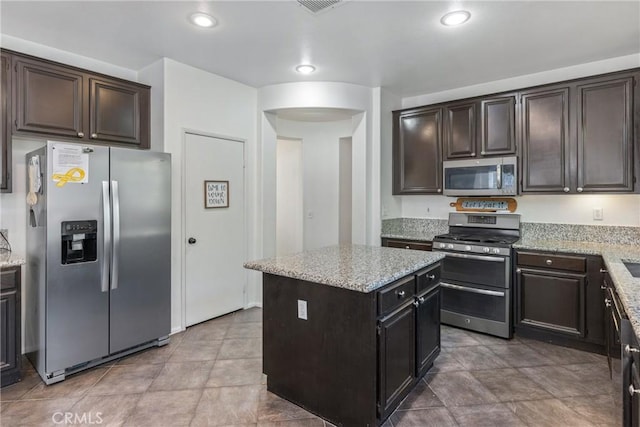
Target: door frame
{"x": 183, "y": 214}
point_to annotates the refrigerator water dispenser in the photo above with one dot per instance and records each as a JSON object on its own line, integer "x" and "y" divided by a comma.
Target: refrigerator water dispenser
{"x": 79, "y": 241}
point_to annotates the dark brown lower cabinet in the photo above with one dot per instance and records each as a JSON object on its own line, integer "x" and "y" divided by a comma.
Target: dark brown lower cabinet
{"x": 10, "y": 348}
{"x": 560, "y": 299}
{"x": 397, "y": 357}
{"x": 357, "y": 355}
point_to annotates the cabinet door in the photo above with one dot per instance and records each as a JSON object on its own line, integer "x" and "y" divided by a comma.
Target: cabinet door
{"x": 428, "y": 328}
{"x": 605, "y": 135}
{"x": 417, "y": 155}
{"x": 8, "y": 351}
{"x": 551, "y": 301}
{"x": 545, "y": 139}
{"x": 396, "y": 358}
{"x": 498, "y": 135}
{"x": 117, "y": 111}
{"x": 5, "y": 136}
{"x": 460, "y": 130}
{"x": 49, "y": 99}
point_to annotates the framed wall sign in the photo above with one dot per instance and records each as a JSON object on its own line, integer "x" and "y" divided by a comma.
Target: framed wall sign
{"x": 216, "y": 194}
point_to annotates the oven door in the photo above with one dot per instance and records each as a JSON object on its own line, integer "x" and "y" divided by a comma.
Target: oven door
{"x": 493, "y": 271}
{"x": 482, "y": 302}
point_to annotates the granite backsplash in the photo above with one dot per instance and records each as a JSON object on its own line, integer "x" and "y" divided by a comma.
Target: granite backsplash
{"x": 426, "y": 229}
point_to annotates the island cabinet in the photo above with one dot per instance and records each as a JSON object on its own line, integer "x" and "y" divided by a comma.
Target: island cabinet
{"x": 348, "y": 356}
{"x": 578, "y": 136}
{"x": 559, "y": 298}
{"x": 55, "y": 99}
{"x": 417, "y": 151}
{"x": 10, "y": 348}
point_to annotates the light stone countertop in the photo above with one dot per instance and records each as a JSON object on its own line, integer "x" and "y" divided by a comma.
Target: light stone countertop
{"x": 627, "y": 286}
{"x": 356, "y": 267}
{"x": 10, "y": 259}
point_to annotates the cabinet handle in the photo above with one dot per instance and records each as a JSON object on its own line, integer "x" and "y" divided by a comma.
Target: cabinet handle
{"x": 407, "y": 247}
{"x": 439, "y": 190}
{"x": 431, "y": 276}
{"x": 633, "y": 391}
{"x": 80, "y": 134}
{"x": 603, "y": 287}
{"x": 607, "y": 303}
{"x": 579, "y": 189}
{"x": 603, "y": 270}
{"x": 421, "y": 300}
{"x": 628, "y": 350}
{"x": 483, "y": 152}
{"x": 94, "y": 135}
{"x": 565, "y": 189}
{"x": 416, "y": 303}
{"x": 401, "y": 294}
{"x": 518, "y": 270}
{"x": 473, "y": 154}
{"x": 549, "y": 262}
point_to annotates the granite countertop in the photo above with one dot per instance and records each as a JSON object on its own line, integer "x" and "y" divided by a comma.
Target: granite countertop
{"x": 356, "y": 267}
{"x": 10, "y": 259}
{"x": 627, "y": 286}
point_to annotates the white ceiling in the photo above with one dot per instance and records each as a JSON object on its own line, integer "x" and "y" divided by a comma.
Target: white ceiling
{"x": 395, "y": 44}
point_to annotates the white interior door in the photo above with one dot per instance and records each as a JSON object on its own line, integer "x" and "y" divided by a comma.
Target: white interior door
{"x": 215, "y": 236}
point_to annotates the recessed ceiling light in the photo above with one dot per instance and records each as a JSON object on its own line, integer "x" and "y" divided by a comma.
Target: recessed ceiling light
{"x": 455, "y": 18}
{"x": 305, "y": 69}
{"x": 203, "y": 20}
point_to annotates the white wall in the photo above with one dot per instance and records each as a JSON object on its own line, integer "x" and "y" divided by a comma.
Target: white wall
{"x": 201, "y": 101}
{"x": 571, "y": 209}
{"x": 365, "y": 208}
{"x": 289, "y": 197}
{"x": 321, "y": 172}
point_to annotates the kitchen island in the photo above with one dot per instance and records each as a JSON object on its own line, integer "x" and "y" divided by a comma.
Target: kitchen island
{"x": 349, "y": 330}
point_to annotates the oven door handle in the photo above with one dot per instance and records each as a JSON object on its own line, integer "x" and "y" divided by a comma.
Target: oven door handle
{"x": 477, "y": 257}
{"x": 474, "y": 290}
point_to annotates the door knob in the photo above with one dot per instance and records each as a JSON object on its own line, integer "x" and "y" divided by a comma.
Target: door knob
{"x": 191, "y": 240}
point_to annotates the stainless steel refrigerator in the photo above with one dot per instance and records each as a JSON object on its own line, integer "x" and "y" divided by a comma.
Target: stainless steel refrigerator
{"x": 98, "y": 283}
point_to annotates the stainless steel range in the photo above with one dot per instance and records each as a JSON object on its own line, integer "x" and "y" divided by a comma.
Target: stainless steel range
{"x": 476, "y": 271}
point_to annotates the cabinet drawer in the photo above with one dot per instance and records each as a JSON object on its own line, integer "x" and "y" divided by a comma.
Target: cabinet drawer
{"x": 406, "y": 244}
{"x": 9, "y": 278}
{"x": 427, "y": 278}
{"x": 556, "y": 262}
{"x": 396, "y": 294}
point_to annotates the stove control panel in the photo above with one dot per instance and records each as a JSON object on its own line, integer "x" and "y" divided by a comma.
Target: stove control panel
{"x": 457, "y": 247}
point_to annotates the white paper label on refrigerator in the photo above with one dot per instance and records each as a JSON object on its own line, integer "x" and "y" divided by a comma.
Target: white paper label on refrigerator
{"x": 70, "y": 165}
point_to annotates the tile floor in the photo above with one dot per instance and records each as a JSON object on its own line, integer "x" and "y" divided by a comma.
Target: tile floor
{"x": 210, "y": 375}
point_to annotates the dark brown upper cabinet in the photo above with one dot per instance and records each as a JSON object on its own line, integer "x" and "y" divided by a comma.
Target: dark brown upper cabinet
{"x": 604, "y": 128}
{"x": 578, "y": 137}
{"x": 49, "y": 99}
{"x": 460, "y": 134}
{"x": 545, "y": 140}
{"x": 63, "y": 101}
{"x": 5, "y": 99}
{"x": 115, "y": 112}
{"x": 498, "y": 125}
{"x": 417, "y": 151}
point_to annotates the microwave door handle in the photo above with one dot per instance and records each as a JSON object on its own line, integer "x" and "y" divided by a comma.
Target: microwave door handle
{"x": 499, "y": 176}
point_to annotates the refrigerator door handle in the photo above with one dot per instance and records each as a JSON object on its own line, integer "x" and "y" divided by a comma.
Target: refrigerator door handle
{"x": 106, "y": 245}
{"x": 115, "y": 198}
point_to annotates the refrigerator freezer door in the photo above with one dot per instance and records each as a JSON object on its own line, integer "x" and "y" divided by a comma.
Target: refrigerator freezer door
{"x": 77, "y": 309}
{"x": 141, "y": 302}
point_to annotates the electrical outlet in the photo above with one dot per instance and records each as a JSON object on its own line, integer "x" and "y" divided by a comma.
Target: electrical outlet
{"x": 302, "y": 309}
{"x": 598, "y": 214}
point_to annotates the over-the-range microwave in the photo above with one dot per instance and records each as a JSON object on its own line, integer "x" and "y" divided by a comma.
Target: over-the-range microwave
{"x": 495, "y": 176}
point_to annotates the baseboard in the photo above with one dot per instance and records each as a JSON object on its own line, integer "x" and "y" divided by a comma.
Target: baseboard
{"x": 254, "y": 304}
{"x": 176, "y": 330}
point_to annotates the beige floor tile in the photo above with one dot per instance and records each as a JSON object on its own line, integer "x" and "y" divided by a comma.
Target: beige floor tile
{"x": 510, "y": 385}
{"x": 207, "y": 331}
{"x": 421, "y": 397}
{"x": 245, "y": 330}
{"x": 165, "y": 408}
{"x": 47, "y": 412}
{"x": 195, "y": 351}
{"x": 274, "y": 408}
{"x": 224, "y": 406}
{"x": 241, "y": 348}
{"x": 185, "y": 375}
{"x": 547, "y": 413}
{"x": 126, "y": 379}
{"x": 112, "y": 411}
{"x": 459, "y": 389}
{"x": 249, "y": 315}
{"x": 18, "y": 390}
{"x": 74, "y": 386}
{"x": 232, "y": 372}
{"x": 494, "y": 415}
{"x": 432, "y": 417}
